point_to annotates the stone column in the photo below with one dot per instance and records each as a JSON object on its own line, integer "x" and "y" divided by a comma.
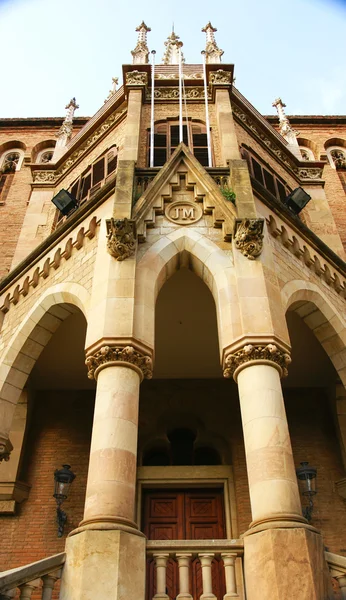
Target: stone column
{"x": 228, "y": 137}
{"x": 106, "y": 553}
{"x": 48, "y": 583}
{"x": 184, "y": 579}
{"x": 342, "y": 583}
{"x": 206, "y": 560}
{"x": 283, "y": 555}
{"x": 161, "y": 566}
{"x": 231, "y": 586}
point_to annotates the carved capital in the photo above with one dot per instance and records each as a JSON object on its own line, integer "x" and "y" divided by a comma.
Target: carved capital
{"x": 266, "y": 353}
{"x": 220, "y": 77}
{"x": 113, "y": 355}
{"x": 5, "y": 449}
{"x": 136, "y": 78}
{"x": 248, "y": 237}
{"x": 121, "y": 238}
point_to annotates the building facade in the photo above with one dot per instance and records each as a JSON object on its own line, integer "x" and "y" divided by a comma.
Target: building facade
{"x": 174, "y": 331}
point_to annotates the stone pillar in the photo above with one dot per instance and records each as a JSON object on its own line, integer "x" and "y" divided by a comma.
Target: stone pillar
{"x": 283, "y": 555}
{"x": 184, "y": 577}
{"x": 231, "y": 586}
{"x": 342, "y": 583}
{"x": 206, "y": 560}
{"x": 225, "y": 123}
{"x": 161, "y": 566}
{"x": 106, "y": 553}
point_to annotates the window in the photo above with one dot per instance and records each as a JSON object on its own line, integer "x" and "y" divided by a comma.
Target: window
{"x": 95, "y": 176}
{"x": 338, "y": 156}
{"x": 45, "y": 156}
{"x": 11, "y": 161}
{"x": 267, "y": 178}
{"x": 306, "y": 153}
{"x": 166, "y": 139}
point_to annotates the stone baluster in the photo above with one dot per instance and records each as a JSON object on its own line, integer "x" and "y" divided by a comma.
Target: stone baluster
{"x": 48, "y": 582}
{"x": 161, "y": 566}
{"x": 27, "y": 589}
{"x": 8, "y": 595}
{"x": 206, "y": 560}
{"x": 342, "y": 583}
{"x": 231, "y": 586}
{"x": 184, "y": 567}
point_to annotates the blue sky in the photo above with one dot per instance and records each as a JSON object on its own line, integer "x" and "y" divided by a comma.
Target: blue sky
{"x": 55, "y": 49}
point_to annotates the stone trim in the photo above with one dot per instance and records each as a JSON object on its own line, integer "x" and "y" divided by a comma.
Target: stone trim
{"x": 172, "y": 93}
{"x": 125, "y": 356}
{"x": 307, "y": 256}
{"x": 121, "y": 238}
{"x": 44, "y": 270}
{"x": 261, "y": 354}
{"x": 51, "y": 177}
{"x": 248, "y": 237}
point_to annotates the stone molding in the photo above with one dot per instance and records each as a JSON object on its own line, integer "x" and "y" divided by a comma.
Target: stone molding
{"x": 121, "y": 238}
{"x": 248, "y": 237}
{"x": 44, "y": 270}
{"x": 259, "y": 353}
{"x": 52, "y": 176}
{"x": 126, "y": 356}
{"x": 136, "y": 78}
{"x": 301, "y": 173}
{"x": 5, "y": 449}
{"x": 172, "y": 93}
{"x": 307, "y": 256}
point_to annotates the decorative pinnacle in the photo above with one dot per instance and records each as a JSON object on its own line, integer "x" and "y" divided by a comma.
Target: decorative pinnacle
{"x": 70, "y": 107}
{"x": 141, "y": 52}
{"x": 115, "y": 81}
{"x": 285, "y": 127}
{"x": 212, "y": 51}
{"x": 173, "y": 48}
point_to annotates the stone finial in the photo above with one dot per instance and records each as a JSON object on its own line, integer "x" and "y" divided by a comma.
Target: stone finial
{"x": 212, "y": 51}
{"x": 173, "y": 48}
{"x": 65, "y": 131}
{"x": 115, "y": 81}
{"x": 141, "y": 52}
{"x": 285, "y": 128}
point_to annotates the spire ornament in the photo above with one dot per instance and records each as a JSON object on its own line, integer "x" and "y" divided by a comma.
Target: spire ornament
{"x": 65, "y": 131}
{"x": 212, "y": 51}
{"x": 285, "y": 128}
{"x": 115, "y": 81}
{"x": 141, "y": 52}
{"x": 173, "y": 48}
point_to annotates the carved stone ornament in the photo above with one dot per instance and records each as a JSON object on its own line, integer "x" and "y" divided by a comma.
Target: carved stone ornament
{"x": 172, "y": 93}
{"x": 250, "y": 353}
{"x": 183, "y": 212}
{"x": 248, "y": 237}
{"x": 113, "y": 354}
{"x": 5, "y": 449}
{"x": 121, "y": 238}
{"x": 220, "y": 76}
{"x": 176, "y": 76}
{"x": 136, "y": 78}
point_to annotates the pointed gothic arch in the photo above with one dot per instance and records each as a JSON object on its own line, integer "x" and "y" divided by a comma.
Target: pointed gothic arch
{"x": 186, "y": 247}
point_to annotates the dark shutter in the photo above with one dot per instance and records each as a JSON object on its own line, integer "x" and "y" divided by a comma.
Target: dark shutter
{"x": 202, "y": 155}
{"x": 281, "y": 190}
{"x": 112, "y": 161}
{"x": 269, "y": 182}
{"x": 98, "y": 171}
{"x": 74, "y": 189}
{"x": 86, "y": 185}
{"x": 257, "y": 171}
{"x": 160, "y": 156}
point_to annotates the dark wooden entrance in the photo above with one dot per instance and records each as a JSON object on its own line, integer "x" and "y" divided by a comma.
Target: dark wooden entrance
{"x": 184, "y": 515}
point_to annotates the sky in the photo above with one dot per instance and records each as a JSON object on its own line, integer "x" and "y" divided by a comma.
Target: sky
{"x": 53, "y": 50}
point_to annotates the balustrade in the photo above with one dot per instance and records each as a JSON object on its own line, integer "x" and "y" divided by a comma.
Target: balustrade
{"x": 41, "y": 575}
{"x": 185, "y": 553}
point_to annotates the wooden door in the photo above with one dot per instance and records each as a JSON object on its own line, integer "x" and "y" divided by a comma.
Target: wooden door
{"x": 190, "y": 515}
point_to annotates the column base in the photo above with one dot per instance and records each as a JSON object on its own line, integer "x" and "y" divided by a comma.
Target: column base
{"x": 184, "y": 596}
{"x": 285, "y": 563}
{"x": 231, "y": 595}
{"x": 104, "y": 564}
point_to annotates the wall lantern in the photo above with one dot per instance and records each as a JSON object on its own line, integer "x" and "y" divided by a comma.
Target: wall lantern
{"x": 297, "y": 199}
{"x": 65, "y": 202}
{"x": 63, "y": 479}
{"x": 307, "y": 484}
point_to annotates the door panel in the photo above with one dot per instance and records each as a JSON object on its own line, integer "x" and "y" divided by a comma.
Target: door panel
{"x": 184, "y": 514}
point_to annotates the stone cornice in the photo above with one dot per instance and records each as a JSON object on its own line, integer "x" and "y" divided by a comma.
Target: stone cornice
{"x": 256, "y": 354}
{"x": 249, "y": 118}
{"x": 115, "y": 355}
{"x": 324, "y": 120}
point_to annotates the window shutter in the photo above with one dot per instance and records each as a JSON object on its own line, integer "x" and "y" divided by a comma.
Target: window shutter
{"x": 98, "y": 171}
{"x": 269, "y": 182}
{"x": 202, "y": 155}
{"x": 257, "y": 171}
{"x": 74, "y": 189}
{"x": 160, "y": 156}
{"x": 281, "y": 190}
{"x": 112, "y": 161}
{"x": 86, "y": 185}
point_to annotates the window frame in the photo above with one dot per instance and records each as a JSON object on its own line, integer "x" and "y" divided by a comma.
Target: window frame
{"x": 250, "y": 156}
{"x": 174, "y": 122}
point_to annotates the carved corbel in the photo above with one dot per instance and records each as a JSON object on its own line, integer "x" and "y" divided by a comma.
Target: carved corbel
{"x": 5, "y": 448}
{"x": 248, "y": 237}
{"x": 115, "y": 355}
{"x": 260, "y": 353}
{"x": 121, "y": 238}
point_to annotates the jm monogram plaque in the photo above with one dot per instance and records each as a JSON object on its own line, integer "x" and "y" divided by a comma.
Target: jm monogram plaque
{"x": 183, "y": 212}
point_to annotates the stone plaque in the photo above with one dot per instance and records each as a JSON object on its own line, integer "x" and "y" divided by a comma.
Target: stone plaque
{"x": 183, "y": 212}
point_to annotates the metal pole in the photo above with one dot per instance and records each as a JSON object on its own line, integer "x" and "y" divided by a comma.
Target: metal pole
{"x": 206, "y": 108}
{"x": 180, "y": 101}
{"x": 153, "y": 52}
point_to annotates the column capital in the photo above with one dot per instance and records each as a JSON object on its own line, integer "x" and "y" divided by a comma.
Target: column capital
{"x": 267, "y": 354}
{"x": 113, "y": 355}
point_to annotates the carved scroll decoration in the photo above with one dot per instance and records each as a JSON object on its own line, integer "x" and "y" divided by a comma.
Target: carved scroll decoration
{"x": 172, "y": 93}
{"x": 250, "y": 353}
{"x": 220, "y": 76}
{"x": 248, "y": 237}
{"x": 136, "y": 78}
{"x": 114, "y": 354}
{"x": 121, "y": 238}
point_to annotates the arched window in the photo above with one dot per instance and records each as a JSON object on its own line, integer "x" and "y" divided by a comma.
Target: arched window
{"x": 306, "y": 153}
{"x": 11, "y": 161}
{"x": 338, "y": 156}
{"x": 166, "y": 139}
{"x": 45, "y": 156}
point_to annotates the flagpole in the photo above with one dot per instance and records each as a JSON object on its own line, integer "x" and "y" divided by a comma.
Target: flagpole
{"x": 153, "y": 52}
{"x": 180, "y": 100}
{"x": 206, "y": 108}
